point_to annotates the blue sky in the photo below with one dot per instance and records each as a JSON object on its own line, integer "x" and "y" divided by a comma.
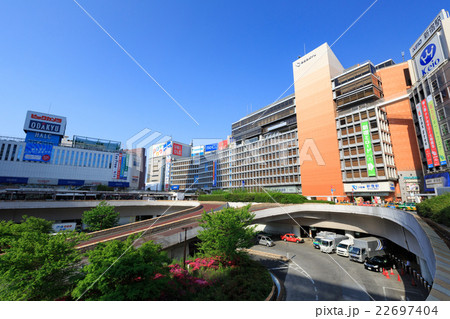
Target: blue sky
{"x": 218, "y": 59}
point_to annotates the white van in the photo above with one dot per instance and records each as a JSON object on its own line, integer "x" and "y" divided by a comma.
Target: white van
{"x": 344, "y": 247}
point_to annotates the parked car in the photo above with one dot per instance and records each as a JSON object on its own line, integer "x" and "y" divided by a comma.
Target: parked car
{"x": 377, "y": 263}
{"x": 292, "y": 238}
{"x": 264, "y": 240}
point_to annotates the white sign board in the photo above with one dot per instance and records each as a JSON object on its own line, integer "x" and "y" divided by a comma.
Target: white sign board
{"x": 429, "y": 57}
{"x": 45, "y": 123}
{"x": 369, "y": 187}
{"x": 64, "y": 226}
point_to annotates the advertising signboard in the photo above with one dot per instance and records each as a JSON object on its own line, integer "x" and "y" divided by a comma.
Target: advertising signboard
{"x": 70, "y": 182}
{"x": 167, "y": 173}
{"x": 36, "y": 137}
{"x": 123, "y": 160}
{"x": 223, "y": 145}
{"x": 214, "y": 182}
{"x": 368, "y": 149}
{"x": 175, "y": 187}
{"x": 426, "y": 117}
{"x": 430, "y": 57}
{"x": 429, "y": 31}
{"x": 115, "y": 165}
{"x": 437, "y": 132}
{"x": 118, "y": 184}
{"x": 45, "y": 123}
{"x": 433, "y": 181}
{"x": 369, "y": 187}
{"x": 198, "y": 150}
{"x": 177, "y": 149}
{"x": 63, "y": 226}
{"x": 167, "y": 148}
{"x": 158, "y": 150}
{"x": 423, "y": 132}
{"x": 13, "y": 180}
{"x": 37, "y": 152}
{"x": 211, "y": 147}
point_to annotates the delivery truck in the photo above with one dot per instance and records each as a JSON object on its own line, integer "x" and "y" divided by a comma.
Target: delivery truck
{"x": 344, "y": 247}
{"x": 366, "y": 248}
{"x": 319, "y": 236}
{"x": 328, "y": 244}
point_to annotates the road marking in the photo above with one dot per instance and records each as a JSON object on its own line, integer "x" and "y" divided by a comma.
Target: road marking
{"x": 402, "y": 297}
{"x": 278, "y": 268}
{"x": 302, "y": 271}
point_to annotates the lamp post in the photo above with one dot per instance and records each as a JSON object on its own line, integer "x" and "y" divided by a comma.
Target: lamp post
{"x": 185, "y": 236}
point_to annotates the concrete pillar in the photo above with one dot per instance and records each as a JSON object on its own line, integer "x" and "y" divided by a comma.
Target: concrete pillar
{"x": 296, "y": 230}
{"x": 424, "y": 268}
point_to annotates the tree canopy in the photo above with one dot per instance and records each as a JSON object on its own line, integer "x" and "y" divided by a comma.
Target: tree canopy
{"x": 115, "y": 273}
{"x": 225, "y": 231}
{"x": 36, "y": 265}
{"x": 101, "y": 217}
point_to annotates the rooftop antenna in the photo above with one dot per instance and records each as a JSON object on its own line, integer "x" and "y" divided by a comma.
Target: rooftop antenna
{"x": 304, "y": 48}
{"x": 49, "y": 107}
{"x": 403, "y": 56}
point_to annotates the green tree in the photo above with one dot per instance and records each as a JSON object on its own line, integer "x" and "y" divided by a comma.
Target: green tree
{"x": 115, "y": 273}
{"x": 225, "y": 231}
{"x": 37, "y": 265}
{"x": 101, "y": 217}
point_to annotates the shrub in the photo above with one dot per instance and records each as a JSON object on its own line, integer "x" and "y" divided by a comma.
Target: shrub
{"x": 436, "y": 208}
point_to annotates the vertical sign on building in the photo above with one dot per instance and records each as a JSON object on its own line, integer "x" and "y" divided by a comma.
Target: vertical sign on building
{"x": 423, "y": 132}
{"x": 214, "y": 181}
{"x": 437, "y": 133}
{"x": 115, "y": 165}
{"x": 167, "y": 175}
{"x": 426, "y": 117}
{"x": 368, "y": 149}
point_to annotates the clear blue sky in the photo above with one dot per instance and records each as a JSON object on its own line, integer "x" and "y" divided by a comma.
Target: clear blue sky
{"x": 219, "y": 59}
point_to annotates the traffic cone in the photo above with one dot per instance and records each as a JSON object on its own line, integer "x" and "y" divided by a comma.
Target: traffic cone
{"x": 398, "y": 278}
{"x": 392, "y": 271}
{"x": 384, "y": 272}
{"x": 413, "y": 283}
{"x": 387, "y": 275}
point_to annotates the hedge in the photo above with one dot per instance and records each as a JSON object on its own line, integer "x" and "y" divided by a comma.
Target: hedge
{"x": 436, "y": 208}
{"x": 258, "y": 198}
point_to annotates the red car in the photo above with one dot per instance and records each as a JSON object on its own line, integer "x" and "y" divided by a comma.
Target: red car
{"x": 292, "y": 238}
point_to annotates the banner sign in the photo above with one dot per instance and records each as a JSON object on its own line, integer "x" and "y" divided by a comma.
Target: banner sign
{"x": 13, "y": 180}
{"x": 118, "y": 184}
{"x": 370, "y": 187}
{"x": 177, "y": 149}
{"x": 37, "y": 152}
{"x": 115, "y": 165}
{"x": 63, "y": 227}
{"x": 211, "y": 147}
{"x": 423, "y": 132}
{"x": 175, "y": 187}
{"x": 223, "y": 145}
{"x": 45, "y": 123}
{"x": 167, "y": 173}
{"x": 426, "y": 117}
{"x": 214, "y": 182}
{"x": 368, "y": 149}
{"x": 437, "y": 132}
{"x": 46, "y": 138}
{"x": 70, "y": 182}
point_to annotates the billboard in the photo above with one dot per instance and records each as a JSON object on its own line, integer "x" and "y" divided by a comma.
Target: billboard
{"x": 198, "y": 150}
{"x": 124, "y": 160}
{"x": 37, "y": 152}
{"x": 429, "y": 58}
{"x": 63, "y": 227}
{"x": 368, "y": 149}
{"x": 437, "y": 132}
{"x": 45, "y": 123}
{"x": 36, "y": 137}
{"x": 433, "y": 181}
{"x": 426, "y": 117}
{"x": 177, "y": 149}
{"x": 423, "y": 132}
{"x": 429, "y": 31}
{"x": 70, "y": 182}
{"x": 115, "y": 165}
{"x": 158, "y": 150}
{"x": 211, "y": 147}
{"x": 175, "y": 187}
{"x": 223, "y": 145}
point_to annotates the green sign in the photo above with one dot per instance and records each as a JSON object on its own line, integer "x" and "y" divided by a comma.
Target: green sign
{"x": 437, "y": 133}
{"x": 368, "y": 148}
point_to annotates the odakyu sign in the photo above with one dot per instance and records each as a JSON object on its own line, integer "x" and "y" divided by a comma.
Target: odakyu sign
{"x": 429, "y": 58}
{"x": 45, "y": 123}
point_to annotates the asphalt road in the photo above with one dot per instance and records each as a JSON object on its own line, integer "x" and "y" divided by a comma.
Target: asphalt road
{"x": 312, "y": 275}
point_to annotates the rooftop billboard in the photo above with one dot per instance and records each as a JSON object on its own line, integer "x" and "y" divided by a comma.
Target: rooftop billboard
{"x": 45, "y": 123}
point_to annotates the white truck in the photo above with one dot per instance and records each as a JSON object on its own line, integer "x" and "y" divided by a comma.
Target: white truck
{"x": 344, "y": 247}
{"x": 365, "y": 248}
{"x": 319, "y": 236}
{"x": 328, "y": 244}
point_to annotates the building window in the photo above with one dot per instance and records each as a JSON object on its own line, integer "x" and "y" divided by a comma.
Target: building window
{"x": 444, "y": 129}
{"x": 13, "y": 154}
{"x": 57, "y": 157}
{"x": 441, "y": 114}
{"x": 7, "y": 152}
{"x": 71, "y": 158}
{"x": 447, "y": 145}
{"x": 19, "y": 153}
